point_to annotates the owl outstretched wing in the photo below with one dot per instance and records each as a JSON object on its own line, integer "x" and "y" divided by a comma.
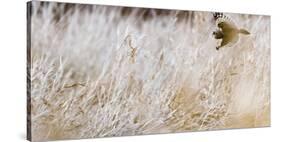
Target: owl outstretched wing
{"x": 220, "y": 17}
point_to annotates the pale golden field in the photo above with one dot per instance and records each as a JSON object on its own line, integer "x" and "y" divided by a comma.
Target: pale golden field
{"x": 98, "y": 73}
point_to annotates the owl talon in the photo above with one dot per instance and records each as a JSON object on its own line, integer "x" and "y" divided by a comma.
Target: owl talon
{"x": 217, "y": 48}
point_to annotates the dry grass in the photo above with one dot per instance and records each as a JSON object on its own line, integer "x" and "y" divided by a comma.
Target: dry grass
{"x": 99, "y": 74}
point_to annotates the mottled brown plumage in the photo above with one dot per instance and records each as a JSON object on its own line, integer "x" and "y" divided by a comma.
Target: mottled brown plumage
{"x": 227, "y": 31}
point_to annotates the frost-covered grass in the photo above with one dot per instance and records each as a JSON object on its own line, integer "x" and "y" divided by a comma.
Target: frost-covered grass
{"x": 98, "y": 74}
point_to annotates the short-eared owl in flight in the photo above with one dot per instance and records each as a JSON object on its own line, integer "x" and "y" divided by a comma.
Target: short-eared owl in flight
{"x": 227, "y": 30}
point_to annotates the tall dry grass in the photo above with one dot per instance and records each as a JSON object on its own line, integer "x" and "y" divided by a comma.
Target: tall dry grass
{"x": 98, "y": 73}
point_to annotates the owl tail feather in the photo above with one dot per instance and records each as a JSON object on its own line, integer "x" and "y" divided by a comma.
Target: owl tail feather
{"x": 243, "y": 31}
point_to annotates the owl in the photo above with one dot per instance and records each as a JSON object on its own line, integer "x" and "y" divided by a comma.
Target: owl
{"x": 227, "y": 30}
